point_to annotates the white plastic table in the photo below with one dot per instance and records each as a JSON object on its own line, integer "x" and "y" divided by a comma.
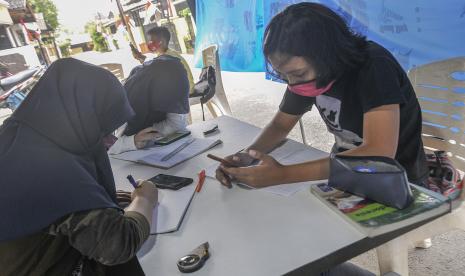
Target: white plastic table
{"x": 250, "y": 232}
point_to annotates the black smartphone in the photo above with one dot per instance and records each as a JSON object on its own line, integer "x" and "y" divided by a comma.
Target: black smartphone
{"x": 171, "y": 182}
{"x": 172, "y": 138}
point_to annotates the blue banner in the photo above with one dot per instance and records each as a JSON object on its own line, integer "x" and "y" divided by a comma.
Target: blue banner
{"x": 416, "y": 32}
{"x": 236, "y": 27}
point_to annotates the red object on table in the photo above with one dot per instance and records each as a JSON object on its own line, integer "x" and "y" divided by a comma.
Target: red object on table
{"x": 201, "y": 180}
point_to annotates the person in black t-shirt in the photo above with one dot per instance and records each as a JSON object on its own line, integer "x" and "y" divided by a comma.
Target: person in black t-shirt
{"x": 360, "y": 90}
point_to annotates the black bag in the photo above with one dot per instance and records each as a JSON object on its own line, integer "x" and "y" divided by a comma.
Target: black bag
{"x": 378, "y": 178}
{"x": 443, "y": 178}
{"x": 205, "y": 87}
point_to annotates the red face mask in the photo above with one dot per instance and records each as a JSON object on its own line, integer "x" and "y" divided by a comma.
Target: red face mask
{"x": 154, "y": 45}
{"x": 309, "y": 89}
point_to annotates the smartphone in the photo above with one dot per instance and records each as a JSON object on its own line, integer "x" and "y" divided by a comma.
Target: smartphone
{"x": 171, "y": 182}
{"x": 324, "y": 190}
{"x": 212, "y": 129}
{"x": 172, "y": 138}
{"x": 222, "y": 161}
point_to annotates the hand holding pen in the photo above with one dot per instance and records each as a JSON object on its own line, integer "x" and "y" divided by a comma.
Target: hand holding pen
{"x": 144, "y": 189}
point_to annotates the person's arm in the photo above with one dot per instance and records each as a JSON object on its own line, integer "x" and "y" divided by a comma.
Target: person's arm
{"x": 275, "y": 132}
{"x": 173, "y": 122}
{"x": 186, "y": 66}
{"x": 105, "y": 235}
{"x": 132, "y": 142}
{"x": 270, "y": 137}
{"x": 380, "y": 138}
{"x": 108, "y": 236}
{"x": 144, "y": 199}
{"x": 189, "y": 75}
{"x": 137, "y": 54}
{"x": 123, "y": 144}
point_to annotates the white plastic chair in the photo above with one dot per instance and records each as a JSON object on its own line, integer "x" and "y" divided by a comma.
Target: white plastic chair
{"x": 442, "y": 98}
{"x": 115, "y": 68}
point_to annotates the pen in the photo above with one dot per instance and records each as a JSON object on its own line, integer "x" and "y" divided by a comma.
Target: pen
{"x": 201, "y": 180}
{"x": 132, "y": 181}
{"x": 178, "y": 149}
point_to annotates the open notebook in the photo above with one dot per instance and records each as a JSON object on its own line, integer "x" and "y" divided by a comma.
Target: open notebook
{"x": 169, "y": 213}
{"x": 154, "y": 156}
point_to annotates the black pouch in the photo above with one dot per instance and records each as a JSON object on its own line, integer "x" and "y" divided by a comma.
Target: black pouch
{"x": 378, "y": 178}
{"x": 205, "y": 88}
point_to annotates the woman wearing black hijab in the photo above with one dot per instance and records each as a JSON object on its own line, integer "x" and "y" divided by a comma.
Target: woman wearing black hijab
{"x": 58, "y": 201}
{"x": 158, "y": 91}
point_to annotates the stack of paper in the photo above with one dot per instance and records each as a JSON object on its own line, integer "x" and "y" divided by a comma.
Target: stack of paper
{"x": 153, "y": 156}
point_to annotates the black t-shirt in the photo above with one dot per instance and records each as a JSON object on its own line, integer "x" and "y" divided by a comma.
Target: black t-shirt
{"x": 379, "y": 81}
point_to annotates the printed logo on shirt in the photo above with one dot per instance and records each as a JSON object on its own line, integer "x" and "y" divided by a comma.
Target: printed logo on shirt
{"x": 330, "y": 110}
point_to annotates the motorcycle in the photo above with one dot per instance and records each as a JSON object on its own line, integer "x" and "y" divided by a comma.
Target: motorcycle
{"x": 14, "y": 89}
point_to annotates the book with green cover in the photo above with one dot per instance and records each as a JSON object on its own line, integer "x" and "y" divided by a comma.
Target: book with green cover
{"x": 374, "y": 218}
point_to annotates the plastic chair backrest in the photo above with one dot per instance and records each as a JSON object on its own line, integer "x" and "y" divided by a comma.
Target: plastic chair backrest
{"x": 211, "y": 58}
{"x": 115, "y": 68}
{"x": 440, "y": 88}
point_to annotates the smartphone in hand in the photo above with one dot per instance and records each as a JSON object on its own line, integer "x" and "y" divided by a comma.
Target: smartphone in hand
{"x": 136, "y": 53}
{"x": 222, "y": 161}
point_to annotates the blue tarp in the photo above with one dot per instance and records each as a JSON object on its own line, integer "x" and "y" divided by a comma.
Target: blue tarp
{"x": 237, "y": 27}
{"x": 416, "y": 32}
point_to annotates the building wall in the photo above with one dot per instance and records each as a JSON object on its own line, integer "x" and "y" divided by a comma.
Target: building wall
{"x": 5, "y": 17}
{"x": 19, "y": 35}
{"x": 182, "y": 30}
{"x": 28, "y": 52}
{"x": 5, "y": 42}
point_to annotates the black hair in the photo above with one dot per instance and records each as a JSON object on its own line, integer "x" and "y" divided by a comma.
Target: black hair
{"x": 162, "y": 33}
{"x": 318, "y": 34}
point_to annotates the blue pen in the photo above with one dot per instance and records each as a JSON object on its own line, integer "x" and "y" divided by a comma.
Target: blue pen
{"x": 132, "y": 181}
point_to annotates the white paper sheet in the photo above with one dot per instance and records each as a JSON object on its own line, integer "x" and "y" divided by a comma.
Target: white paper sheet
{"x": 153, "y": 156}
{"x": 285, "y": 157}
{"x": 168, "y": 214}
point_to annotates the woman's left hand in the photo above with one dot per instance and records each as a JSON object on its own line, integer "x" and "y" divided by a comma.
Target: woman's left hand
{"x": 123, "y": 198}
{"x": 267, "y": 173}
{"x": 145, "y": 136}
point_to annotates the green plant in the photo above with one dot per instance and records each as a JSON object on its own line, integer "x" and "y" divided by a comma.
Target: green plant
{"x": 48, "y": 9}
{"x": 100, "y": 44}
{"x": 185, "y": 12}
{"x": 99, "y": 41}
{"x": 90, "y": 27}
{"x": 189, "y": 43}
{"x": 65, "y": 48}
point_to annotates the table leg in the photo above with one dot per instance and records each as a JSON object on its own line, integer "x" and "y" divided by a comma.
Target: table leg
{"x": 393, "y": 256}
